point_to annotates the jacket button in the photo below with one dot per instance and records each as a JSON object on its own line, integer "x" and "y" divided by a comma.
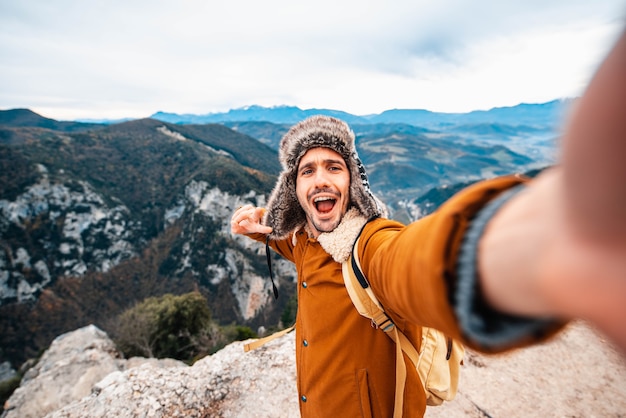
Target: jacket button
{"x": 303, "y": 398}
{"x": 305, "y": 343}
{"x": 304, "y": 284}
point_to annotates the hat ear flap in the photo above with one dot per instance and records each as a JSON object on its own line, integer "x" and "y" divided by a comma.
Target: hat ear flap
{"x": 284, "y": 211}
{"x": 361, "y": 194}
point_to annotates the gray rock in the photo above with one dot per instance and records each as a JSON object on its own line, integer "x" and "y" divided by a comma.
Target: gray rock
{"x": 228, "y": 384}
{"x": 6, "y": 371}
{"x": 65, "y": 373}
{"x": 578, "y": 373}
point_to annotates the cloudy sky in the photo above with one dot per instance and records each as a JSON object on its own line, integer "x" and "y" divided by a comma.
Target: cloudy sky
{"x": 75, "y": 59}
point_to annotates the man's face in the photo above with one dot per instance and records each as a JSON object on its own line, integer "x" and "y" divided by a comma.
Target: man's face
{"x": 323, "y": 188}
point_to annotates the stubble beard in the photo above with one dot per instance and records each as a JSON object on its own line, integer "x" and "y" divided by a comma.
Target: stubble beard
{"x": 321, "y": 228}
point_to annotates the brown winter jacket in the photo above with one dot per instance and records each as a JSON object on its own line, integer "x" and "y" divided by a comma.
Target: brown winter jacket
{"x": 346, "y": 368}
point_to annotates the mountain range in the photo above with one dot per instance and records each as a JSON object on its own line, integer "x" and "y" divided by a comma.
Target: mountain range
{"x": 95, "y": 217}
{"x": 540, "y": 114}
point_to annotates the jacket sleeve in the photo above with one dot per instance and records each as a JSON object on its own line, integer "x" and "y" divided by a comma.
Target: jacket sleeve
{"x": 414, "y": 272}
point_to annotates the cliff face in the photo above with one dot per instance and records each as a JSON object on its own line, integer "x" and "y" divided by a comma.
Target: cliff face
{"x": 82, "y": 375}
{"x": 93, "y": 222}
{"x": 76, "y": 231}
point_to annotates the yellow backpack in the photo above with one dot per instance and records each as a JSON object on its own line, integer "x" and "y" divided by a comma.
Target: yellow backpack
{"x": 439, "y": 358}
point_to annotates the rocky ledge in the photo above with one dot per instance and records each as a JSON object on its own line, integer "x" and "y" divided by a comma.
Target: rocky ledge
{"x": 83, "y": 375}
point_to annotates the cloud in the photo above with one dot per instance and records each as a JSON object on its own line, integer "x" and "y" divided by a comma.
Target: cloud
{"x": 131, "y": 58}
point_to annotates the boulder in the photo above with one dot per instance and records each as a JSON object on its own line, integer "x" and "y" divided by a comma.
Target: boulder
{"x": 578, "y": 373}
{"x": 6, "y": 371}
{"x": 66, "y": 372}
{"x": 229, "y": 383}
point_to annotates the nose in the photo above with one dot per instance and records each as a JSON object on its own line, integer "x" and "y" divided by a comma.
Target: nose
{"x": 321, "y": 179}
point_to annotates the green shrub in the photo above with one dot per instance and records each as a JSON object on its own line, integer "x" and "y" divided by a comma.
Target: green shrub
{"x": 288, "y": 316}
{"x": 243, "y": 333}
{"x": 7, "y": 387}
{"x": 167, "y": 326}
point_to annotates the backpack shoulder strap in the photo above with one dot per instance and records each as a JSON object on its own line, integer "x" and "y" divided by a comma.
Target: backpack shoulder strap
{"x": 368, "y": 306}
{"x": 439, "y": 358}
{"x": 361, "y": 293}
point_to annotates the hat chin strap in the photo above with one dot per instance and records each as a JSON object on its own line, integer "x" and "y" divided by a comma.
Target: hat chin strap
{"x": 268, "y": 256}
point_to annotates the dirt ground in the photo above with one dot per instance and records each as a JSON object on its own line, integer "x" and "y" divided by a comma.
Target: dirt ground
{"x": 577, "y": 374}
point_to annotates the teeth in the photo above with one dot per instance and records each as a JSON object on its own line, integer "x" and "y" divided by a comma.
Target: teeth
{"x": 321, "y": 199}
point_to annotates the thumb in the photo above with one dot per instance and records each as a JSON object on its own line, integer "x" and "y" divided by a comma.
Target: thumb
{"x": 263, "y": 229}
{"x": 258, "y": 216}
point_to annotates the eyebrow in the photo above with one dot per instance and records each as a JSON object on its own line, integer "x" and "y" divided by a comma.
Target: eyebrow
{"x": 326, "y": 161}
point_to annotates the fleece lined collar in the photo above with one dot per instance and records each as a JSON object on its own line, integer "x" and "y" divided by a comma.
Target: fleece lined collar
{"x": 338, "y": 243}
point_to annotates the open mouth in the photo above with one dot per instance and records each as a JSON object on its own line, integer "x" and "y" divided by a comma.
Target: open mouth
{"x": 324, "y": 204}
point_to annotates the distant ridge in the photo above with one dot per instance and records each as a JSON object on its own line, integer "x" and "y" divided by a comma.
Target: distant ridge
{"x": 540, "y": 115}
{"x": 278, "y": 114}
{"x": 27, "y": 118}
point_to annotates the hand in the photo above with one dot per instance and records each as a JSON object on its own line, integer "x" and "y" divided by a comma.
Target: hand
{"x": 247, "y": 220}
{"x": 558, "y": 248}
{"x": 535, "y": 260}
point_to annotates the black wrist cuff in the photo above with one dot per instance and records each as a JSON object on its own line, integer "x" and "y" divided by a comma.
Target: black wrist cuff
{"x": 480, "y": 323}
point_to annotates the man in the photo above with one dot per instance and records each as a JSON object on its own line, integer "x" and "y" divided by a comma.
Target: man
{"x": 502, "y": 264}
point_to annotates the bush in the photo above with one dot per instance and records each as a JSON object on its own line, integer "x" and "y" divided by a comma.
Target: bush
{"x": 288, "y": 316}
{"x": 238, "y": 333}
{"x": 164, "y": 327}
{"x": 7, "y": 387}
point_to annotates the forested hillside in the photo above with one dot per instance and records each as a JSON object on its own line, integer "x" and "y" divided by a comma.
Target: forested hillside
{"x": 95, "y": 218}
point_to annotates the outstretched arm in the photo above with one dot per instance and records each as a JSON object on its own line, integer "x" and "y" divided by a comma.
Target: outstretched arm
{"x": 558, "y": 248}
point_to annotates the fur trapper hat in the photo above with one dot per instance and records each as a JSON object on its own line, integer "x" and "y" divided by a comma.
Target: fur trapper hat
{"x": 284, "y": 213}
